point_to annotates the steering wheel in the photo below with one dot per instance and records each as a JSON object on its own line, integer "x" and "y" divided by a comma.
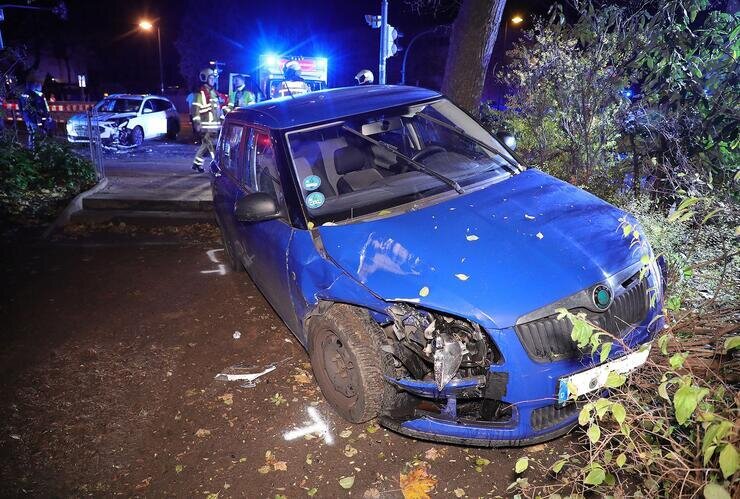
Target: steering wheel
{"x": 427, "y": 151}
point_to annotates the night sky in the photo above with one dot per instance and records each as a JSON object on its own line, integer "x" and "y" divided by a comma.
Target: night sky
{"x": 103, "y": 37}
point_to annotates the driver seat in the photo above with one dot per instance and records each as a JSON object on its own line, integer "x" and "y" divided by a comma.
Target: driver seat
{"x": 355, "y": 167}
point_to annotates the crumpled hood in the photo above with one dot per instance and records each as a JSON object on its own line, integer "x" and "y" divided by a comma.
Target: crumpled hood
{"x": 491, "y": 255}
{"x": 81, "y": 119}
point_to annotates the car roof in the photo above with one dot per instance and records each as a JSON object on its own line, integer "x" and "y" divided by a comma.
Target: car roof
{"x": 325, "y": 105}
{"x": 134, "y": 96}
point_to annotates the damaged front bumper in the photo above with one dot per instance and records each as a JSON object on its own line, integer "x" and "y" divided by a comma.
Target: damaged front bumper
{"x": 514, "y": 404}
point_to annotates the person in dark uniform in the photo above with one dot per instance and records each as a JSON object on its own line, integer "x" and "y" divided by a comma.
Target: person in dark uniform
{"x": 35, "y": 112}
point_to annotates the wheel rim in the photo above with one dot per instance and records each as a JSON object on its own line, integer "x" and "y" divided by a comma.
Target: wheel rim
{"x": 138, "y": 136}
{"x": 338, "y": 365}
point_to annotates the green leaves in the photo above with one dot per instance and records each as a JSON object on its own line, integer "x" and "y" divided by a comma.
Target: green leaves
{"x": 728, "y": 460}
{"x": 685, "y": 400}
{"x": 715, "y": 491}
{"x": 619, "y": 412}
{"x": 615, "y": 380}
{"x": 521, "y": 464}
{"x": 594, "y": 433}
{"x": 595, "y": 476}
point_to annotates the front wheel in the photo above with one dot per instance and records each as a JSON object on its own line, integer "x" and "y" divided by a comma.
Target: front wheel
{"x": 173, "y": 128}
{"x": 344, "y": 346}
{"x": 137, "y": 136}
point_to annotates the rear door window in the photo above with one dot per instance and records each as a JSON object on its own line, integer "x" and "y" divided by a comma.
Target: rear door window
{"x": 232, "y": 152}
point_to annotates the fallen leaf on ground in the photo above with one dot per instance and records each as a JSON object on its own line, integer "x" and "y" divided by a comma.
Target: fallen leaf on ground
{"x": 345, "y": 433}
{"x": 312, "y": 491}
{"x": 202, "y": 432}
{"x": 278, "y": 399}
{"x": 349, "y": 451}
{"x": 459, "y": 492}
{"x": 433, "y": 454}
{"x": 371, "y": 494}
{"x": 144, "y": 483}
{"x": 263, "y": 470}
{"x": 416, "y": 483}
{"x": 346, "y": 482}
{"x": 280, "y": 466}
{"x": 178, "y": 468}
{"x": 227, "y": 398}
{"x": 302, "y": 378}
{"x": 372, "y": 428}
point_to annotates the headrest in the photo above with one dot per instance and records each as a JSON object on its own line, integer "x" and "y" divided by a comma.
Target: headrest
{"x": 349, "y": 159}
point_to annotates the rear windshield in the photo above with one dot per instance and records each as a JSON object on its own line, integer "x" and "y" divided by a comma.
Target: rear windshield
{"x": 380, "y": 160}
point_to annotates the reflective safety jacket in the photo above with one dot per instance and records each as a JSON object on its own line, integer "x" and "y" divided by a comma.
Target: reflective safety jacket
{"x": 293, "y": 87}
{"x": 208, "y": 109}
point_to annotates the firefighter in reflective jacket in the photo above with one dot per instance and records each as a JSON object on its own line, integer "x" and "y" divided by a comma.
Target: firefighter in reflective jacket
{"x": 208, "y": 111}
{"x": 293, "y": 84}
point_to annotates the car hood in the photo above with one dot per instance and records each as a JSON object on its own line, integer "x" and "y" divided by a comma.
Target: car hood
{"x": 79, "y": 119}
{"x": 491, "y": 255}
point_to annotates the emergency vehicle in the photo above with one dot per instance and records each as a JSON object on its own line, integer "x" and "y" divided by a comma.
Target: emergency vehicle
{"x": 314, "y": 71}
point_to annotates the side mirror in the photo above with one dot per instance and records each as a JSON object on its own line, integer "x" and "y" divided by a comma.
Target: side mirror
{"x": 507, "y": 138}
{"x": 256, "y": 207}
{"x": 147, "y": 110}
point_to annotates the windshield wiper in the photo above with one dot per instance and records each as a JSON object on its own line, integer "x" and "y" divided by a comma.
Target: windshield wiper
{"x": 415, "y": 164}
{"x": 462, "y": 132}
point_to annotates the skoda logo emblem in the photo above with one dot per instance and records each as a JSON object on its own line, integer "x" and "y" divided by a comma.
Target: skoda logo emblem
{"x": 602, "y": 297}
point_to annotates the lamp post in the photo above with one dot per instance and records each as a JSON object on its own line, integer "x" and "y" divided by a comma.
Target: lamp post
{"x": 515, "y": 20}
{"x": 148, "y": 26}
{"x": 436, "y": 30}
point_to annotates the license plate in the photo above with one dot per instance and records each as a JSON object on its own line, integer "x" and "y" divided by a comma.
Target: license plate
{"x": 595, "y": 378}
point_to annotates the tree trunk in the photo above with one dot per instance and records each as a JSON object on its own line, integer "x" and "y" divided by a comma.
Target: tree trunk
{"x": 473, "y": 34}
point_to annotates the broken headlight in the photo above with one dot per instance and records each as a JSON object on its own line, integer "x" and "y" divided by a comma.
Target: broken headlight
{"x": 438, "y": 346}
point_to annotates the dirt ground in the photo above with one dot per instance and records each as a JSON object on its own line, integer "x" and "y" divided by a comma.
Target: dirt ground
{"x": 111, "y": 342}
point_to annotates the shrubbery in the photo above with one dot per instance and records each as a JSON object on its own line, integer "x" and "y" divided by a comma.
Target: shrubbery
{"x": 670, "y": 157}
{"x": 34, "y": 183}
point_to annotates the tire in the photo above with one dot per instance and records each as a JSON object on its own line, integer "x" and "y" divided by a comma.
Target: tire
{"x": 137, "y": 136}
{"x": 173, "y": 128}
{"x": 344, "y": 346}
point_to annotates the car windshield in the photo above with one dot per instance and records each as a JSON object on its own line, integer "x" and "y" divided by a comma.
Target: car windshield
{"x": 377, "y": 161}
{"x": 118, "y": 105}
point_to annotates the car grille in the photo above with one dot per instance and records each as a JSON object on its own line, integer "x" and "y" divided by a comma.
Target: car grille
{"x": 552, "y": 415}
{"x": 548, "y": 339}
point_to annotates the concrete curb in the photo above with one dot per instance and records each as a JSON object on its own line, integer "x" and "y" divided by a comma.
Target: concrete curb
{"x": 74, "y": 206}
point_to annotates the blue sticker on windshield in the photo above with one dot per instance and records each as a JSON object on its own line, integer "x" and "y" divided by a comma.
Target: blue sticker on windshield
{"x": 312, "y": 182}
{"x": 315, "y": 200}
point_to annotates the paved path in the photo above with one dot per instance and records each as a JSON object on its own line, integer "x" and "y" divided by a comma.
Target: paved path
{"x": 150, "y": 184}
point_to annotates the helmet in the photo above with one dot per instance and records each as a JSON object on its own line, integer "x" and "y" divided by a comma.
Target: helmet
{"x": 364, "y": 77}
{"x": 292, "y": 70}
{"x": 205, "y": 73}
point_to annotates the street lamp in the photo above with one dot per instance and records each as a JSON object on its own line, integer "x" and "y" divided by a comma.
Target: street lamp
{"x": 148, "y": 26}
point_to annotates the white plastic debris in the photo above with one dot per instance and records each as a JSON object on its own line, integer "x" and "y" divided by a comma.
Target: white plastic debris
{"x": 540, "y": 235}
{"x": 471, "y": 237}
{"x": 237, "y": 335}
{"x": 528, "y": 217}
{"x": 244, "y": 376}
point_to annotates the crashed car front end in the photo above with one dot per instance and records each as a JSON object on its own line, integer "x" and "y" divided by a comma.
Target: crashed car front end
{"x": 476, "y": 384}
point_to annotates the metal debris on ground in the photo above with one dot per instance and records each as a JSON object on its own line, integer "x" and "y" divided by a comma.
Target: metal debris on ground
{"x": 242, "y": 373}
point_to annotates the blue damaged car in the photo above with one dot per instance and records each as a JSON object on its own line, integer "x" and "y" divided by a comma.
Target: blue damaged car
{"x": 421, "y": 264}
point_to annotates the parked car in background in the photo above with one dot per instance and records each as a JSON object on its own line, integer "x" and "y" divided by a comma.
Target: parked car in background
{"x": 142, "y": 116}
{"x": 422, "y": 265}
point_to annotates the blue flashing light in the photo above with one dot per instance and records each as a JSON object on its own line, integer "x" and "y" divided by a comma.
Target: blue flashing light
{"x": 271, "y": 59}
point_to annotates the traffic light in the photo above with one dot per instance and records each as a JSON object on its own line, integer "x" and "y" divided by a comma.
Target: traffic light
{"x": 392, "y": 35}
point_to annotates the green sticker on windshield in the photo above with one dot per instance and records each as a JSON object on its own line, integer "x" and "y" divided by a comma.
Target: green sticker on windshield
{"x": 315, "y": 200}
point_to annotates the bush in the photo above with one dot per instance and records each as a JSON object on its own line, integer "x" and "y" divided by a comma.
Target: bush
{"x": 35, "y": 183}
{"x": 671, "y": 428}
